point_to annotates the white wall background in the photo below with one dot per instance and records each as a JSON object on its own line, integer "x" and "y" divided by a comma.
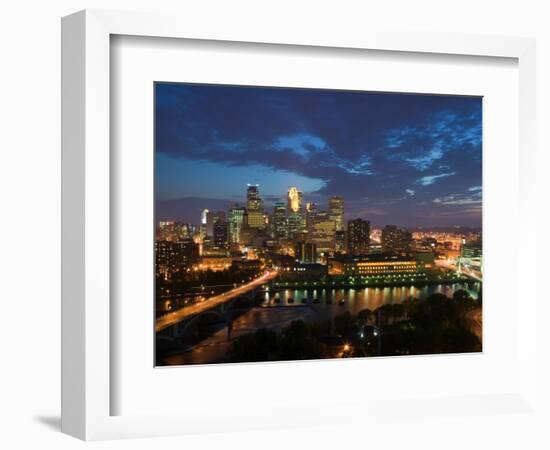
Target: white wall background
{"x": 30, "y": 198}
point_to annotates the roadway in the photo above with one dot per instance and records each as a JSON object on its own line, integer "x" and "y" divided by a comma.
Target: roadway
{"x": 449, "y": 265}
{"x": 177, "y": 316}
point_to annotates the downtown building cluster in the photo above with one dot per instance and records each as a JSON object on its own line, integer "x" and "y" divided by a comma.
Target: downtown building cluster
{"x": 293, "y": 234}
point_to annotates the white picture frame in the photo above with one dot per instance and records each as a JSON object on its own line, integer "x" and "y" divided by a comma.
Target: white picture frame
{"x": 86, "y": 218}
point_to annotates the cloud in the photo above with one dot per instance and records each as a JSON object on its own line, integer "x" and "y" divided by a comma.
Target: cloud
{"x": 302, "y": 144}
{"x": 424, "y": 162}
{"x": 431, "y": 179}
{"x": 354, "y": 144}
{"x": 410, "y": 192}
{"x": 368, "y": 212}
{"x": 443, "y": 132}
{"x": 460, "y": 199}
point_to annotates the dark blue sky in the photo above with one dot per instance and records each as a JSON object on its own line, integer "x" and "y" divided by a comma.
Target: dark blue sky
{"x": 404, "y": 159}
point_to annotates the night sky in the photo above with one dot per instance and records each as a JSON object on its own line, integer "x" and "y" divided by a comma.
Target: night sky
{"x": 403, "y": 159}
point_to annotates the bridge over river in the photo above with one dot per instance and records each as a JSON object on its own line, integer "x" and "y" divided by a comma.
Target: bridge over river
{"x": 173, "y": 318}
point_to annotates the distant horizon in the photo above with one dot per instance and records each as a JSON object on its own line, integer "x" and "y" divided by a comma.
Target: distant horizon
{"x": 408, "y": 160}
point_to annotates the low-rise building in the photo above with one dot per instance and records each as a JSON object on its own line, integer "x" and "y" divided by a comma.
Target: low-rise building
{"x": 374, "y": 265}
{"x": 215, "y": 263}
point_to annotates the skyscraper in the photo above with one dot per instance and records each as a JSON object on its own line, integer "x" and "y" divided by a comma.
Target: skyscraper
{"x": 294, "y": 200}
{"x": 211, "y": 218}
{"x": 280, "y": 222}
{"x": 254, "y": 207}
{"x": 358, "y": 237}
{"x": 253, "y": 199}
{"x": 295, "y": 217}
{"x": 323, "y": 233}
{"x": 220, "y": 236}
{"x": 336, "y": 211}
{"x": 236, "y": 223}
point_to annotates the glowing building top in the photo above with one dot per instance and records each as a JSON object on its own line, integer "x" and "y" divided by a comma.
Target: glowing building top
{"x": 204, "y": 215}
{"x": 294, "y": 200}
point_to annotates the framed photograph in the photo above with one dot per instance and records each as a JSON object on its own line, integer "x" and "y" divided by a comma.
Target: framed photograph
{"x": 252, "y": 215}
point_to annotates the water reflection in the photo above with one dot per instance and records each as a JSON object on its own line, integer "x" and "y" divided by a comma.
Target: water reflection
{"x": 355, "y": 300}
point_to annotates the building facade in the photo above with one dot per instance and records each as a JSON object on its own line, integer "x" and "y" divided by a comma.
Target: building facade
{"x": 173, "y": 257}
{"x": 396, "y": 240}
{"x": 374, "y": 265}
{"x": 236, "y": 224}
{"x": 253, "y": 199}
{"x": 336, "y": 211}
{"x": 358, "y": 237}
{"x": 305, "y": 252}
{"x": 323, "y": 233}
{"x": 221, "y": 235}
{"x": 280, "y": 224}
{"x": 294, "y": 200}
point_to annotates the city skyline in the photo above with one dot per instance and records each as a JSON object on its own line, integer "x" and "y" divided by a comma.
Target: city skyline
{"x": 408, "y": 160}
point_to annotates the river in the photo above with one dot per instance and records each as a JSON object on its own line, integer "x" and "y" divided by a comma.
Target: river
{"x": 278, "y": 309}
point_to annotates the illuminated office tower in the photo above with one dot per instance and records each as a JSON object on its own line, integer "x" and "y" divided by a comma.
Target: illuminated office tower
{"x": 255, "y": 219}
{"x": 280, "y": 224}
{"x": 323, "y": 233}
{"x": 254, "y": 207}
{"x": 236, "y": 223}
{"x": 202, "y": 227}
{"x": 253, "y": 199}
{"x": 204, "y": 215}
{"x": 336, "y": 211}
{"x": 295, "y": 217}
{"x": 358, "y": 237}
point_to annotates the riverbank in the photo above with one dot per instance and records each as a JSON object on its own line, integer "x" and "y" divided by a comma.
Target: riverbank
{"x": 361, "y": 283}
